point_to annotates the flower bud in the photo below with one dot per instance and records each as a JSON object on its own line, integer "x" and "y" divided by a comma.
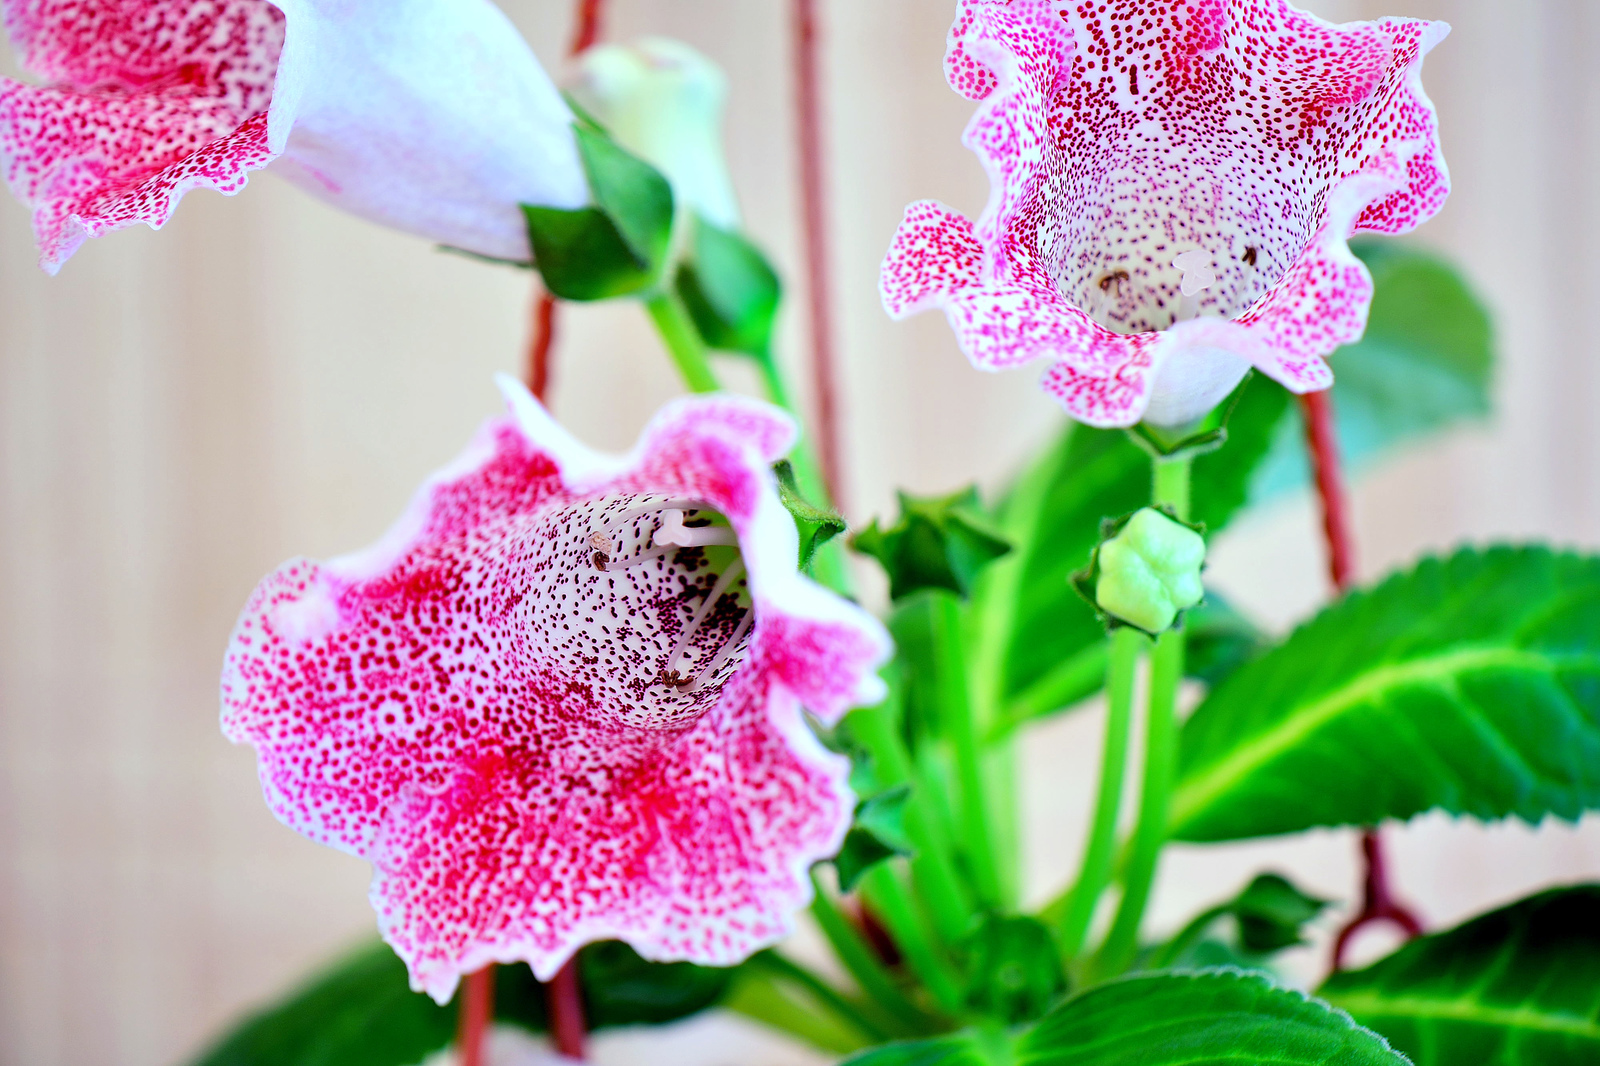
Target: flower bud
{"x": 662, "y": 100}
{"x": 1150, "y": 571}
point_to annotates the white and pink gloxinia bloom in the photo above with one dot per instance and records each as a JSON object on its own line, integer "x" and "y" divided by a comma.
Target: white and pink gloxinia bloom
{"x": 561, "y": 701}
{"x": 1172, "y": 189}
{"x": 431, "y": 116}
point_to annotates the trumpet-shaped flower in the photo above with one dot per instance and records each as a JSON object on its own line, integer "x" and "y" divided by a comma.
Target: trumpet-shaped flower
{"x": 663, "y": 101}
{"x": 561, "y": 700}
{"x": 431, "y": 116}
{"x": 1173, "y": 186}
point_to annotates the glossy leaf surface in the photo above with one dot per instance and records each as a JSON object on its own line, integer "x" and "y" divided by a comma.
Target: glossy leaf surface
{"x": 1211, "y": 1018}
{"x": 1469, "y": 684}
{"x": 1516, "y": 987}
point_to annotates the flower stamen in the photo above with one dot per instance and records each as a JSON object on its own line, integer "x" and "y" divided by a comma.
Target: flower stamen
{"x": 724, "y": 585}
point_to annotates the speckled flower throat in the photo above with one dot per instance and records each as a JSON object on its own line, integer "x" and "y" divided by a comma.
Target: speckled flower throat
{"x": 659, "y": 601}
{"x": 1237, "y": 188}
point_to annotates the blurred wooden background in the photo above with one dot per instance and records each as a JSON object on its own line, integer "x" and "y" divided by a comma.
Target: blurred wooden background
{"x": 180, "y": 411}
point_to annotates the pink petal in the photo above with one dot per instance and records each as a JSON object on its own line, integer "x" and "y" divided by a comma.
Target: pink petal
{"x": 431, "y": 116}
{"x": 477, "y": 710}
{"x": 151, "y": 99}
{"x": 1241, "y": 137}
{"x": 933, "y": 255}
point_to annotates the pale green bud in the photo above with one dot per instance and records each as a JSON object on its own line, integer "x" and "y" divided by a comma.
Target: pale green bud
{"x": 662, "y": 101}
{"x": 1150, "y": 571}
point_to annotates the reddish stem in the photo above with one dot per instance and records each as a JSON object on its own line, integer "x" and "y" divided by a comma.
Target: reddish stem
{"x": 544, "y": 336}
{"x": 587, "y": 30}
{"x": 565, "y": 1000}
{"x": 1378, "y": 903}
{"x": 477, "y": 1011}
{"x": 814, "y": 194}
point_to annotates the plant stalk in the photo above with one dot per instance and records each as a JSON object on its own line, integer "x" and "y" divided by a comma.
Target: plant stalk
{"x": 683, "y": 341}
{"x": 477, "y": 1012}
{"x": 861, "y": 962}
{"x": 1171, "y": 489}
{"x": 1127, "y": 644}
{"x": 564, "y": 997}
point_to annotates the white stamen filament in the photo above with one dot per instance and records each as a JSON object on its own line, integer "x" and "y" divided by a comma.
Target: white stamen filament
{"x": 729, "y": 648}
{"x": 724, "y": 583}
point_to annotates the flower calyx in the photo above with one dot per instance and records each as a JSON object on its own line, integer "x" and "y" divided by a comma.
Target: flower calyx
{"x": 878, "y": 833}
{"x": 619, "y": 245}
{"x": 939, "y": 542}
{"x": 1146, "y": 571}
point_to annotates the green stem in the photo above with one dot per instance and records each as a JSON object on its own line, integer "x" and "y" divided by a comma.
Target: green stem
{"x": 683, "y": 341}
{"x": 975, "y": 811}
{"x": 889, "y": 899}
{"x": 862, "y": 964}
{"x": 932, "y": 867}
{"x": 1127, "y": 643}
{"x": 1171, "y": 485}
{"x": 785, "y": 968}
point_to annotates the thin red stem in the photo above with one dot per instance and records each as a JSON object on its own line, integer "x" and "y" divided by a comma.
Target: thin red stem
{"x": 587, "y": 30}
{"x": 477, "y": 1012}
{"x": 543, "y": 337}
{"x": 565, "y": 1000}
{"x": 1378, "y": 903}
{"x": 814, "y": 195}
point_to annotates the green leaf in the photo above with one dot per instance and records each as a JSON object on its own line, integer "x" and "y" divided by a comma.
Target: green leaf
{"x": 730, "y": 289}
{"x": 1516, "y": 987}
{"x": 884, "y": 816}
{"x": 1044, "y": 643}
{"x": 860, "y": 852}
{"x": 362, "y": 1012}
{"x": 632, "y": 193}
{"x": 1470, "y": 684}
{"x": 1425, "y": 363}
{"x": 816, "y": 525}
{"x": 359, "y": 1012}
{"x": 1220, "y": 639}
{"x": 1268, "y": 916}
{"x": 1013, "y": 968}
{"x": 939, "y": 542}
{"x": 1212, "y": 1018}
{"x": 1271, "y": 913}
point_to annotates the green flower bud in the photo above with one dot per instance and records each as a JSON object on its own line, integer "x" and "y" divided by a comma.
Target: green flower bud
{"x": 1150, "y": 571}
{"x": 662, "y": 101}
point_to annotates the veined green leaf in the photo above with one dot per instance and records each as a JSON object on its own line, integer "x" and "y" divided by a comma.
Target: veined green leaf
{"x": 1517, "y": 987}
{"x": 1210, "y": 1018}
{"x": 1470, "y": 684}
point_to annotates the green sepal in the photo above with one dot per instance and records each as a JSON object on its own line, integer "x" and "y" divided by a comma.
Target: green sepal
{"x": 939, "y": 542}
{"x": 730, "y": 290}
{"x": 616, "y": 247}
{"x": 1272, "y": 914}
{"x": 1013, "y": 968}
{"x": 816, "y": 525}
{"x": 1164, "y": 443}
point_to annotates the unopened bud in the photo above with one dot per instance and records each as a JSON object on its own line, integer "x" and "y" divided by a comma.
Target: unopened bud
{"x": 1150, "y": 571}
{"x": 662, "y": 101}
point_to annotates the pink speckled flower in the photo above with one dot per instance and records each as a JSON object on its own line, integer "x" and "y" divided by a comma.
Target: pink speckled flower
{"x": 431, "y": 116}
{"x": 1173, "y": 185}
{"x": 561, "y": 700}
